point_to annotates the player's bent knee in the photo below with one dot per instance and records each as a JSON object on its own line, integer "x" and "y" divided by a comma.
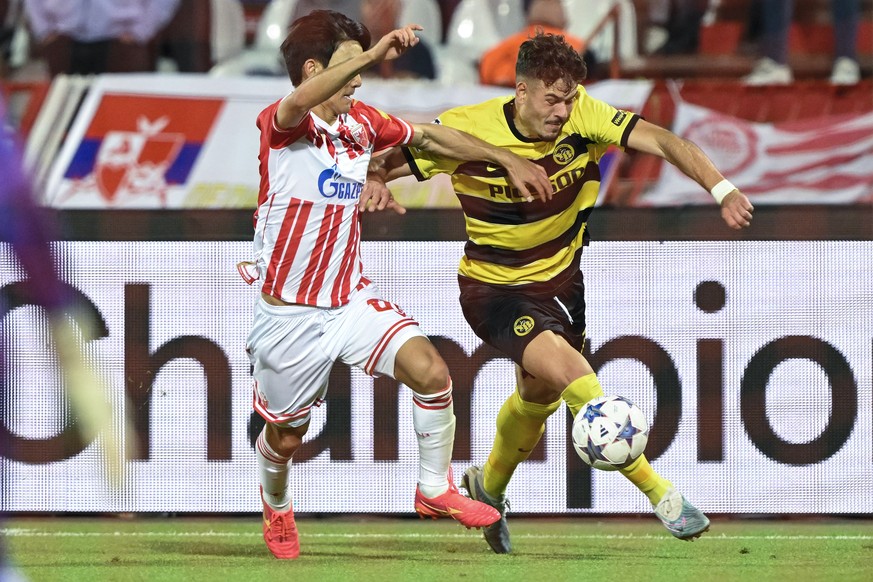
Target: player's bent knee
{"x": 420, "y": 366}
{"x": 285, "y": 440}
{"x": 431, "y": 377}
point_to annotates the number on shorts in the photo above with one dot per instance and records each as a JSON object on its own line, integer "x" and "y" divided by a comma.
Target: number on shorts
{"x": 381, "y": 305}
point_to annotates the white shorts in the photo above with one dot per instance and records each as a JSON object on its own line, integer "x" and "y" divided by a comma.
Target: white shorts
{"x": 294, "y": 347}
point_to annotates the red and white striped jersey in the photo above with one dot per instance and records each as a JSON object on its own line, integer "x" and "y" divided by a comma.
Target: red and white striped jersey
{"x": 307, "y": 225}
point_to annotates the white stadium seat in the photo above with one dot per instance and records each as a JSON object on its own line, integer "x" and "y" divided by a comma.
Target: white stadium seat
{"x": 274, "y": 23}
{"x": 427, "y": 14}
{"x": 228, "y": 29}
{"x": 583, "y": 16}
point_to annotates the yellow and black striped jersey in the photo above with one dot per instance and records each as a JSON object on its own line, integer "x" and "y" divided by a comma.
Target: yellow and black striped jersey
{"x": 511, "y": 241}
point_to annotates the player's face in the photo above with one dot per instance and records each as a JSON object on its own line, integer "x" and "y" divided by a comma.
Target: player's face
{"x": 341, "y": 101}
{"x": 541, "y": 110}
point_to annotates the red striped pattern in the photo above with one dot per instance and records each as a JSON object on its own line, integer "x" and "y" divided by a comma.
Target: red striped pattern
{"x": 313, "y": 277}
{"x": 287, "y": 243}
{"x": 439, "y": 401}
{"x": 261, "y": 408}
{"x": 340, "y": 293}
{"x": 383, "y": 343}
{"x": 267, "y": 451}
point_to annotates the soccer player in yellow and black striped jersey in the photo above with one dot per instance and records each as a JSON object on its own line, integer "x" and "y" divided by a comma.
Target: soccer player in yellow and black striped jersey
{"x": 521, "y": 286}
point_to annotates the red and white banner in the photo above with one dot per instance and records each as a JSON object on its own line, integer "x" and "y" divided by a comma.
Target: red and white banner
{"x": 827, "y": 160}
{"x": 190, "y": 141}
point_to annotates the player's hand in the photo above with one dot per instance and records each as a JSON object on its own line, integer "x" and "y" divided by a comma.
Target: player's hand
{"x": 736, "y": 210}
{"x": 396, "y": 42}
{"x": 529, "y": 178}
{"x": 376, "y": 196}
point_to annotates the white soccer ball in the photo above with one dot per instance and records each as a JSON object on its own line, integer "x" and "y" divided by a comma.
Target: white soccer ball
{"x": 610, "y": 432}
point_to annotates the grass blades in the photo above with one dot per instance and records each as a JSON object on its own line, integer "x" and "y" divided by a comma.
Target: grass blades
{"x": 388, "y": 549}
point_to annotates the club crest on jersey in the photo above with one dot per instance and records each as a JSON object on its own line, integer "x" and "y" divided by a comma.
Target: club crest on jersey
{"x": 331, "y": 184}
{"x": 564, "y": 154}
{"x": 523, "y": 325}
{"x": 359, "y": 134}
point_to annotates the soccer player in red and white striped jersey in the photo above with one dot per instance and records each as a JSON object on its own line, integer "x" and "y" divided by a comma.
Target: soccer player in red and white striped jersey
{"x": 316, "y": 307}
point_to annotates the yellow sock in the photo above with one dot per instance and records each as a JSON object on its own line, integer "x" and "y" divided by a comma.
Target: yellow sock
{"x": 520, "y": 425}
{"x": 580, "y": 391}
{"x": 640, "y": 472}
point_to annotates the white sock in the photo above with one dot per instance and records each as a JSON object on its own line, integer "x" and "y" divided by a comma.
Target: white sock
{"x": 274, "y": 475}
{"x": 433, "y": 416}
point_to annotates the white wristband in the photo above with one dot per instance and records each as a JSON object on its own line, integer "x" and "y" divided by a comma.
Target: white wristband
{"x": 722, "y": 189}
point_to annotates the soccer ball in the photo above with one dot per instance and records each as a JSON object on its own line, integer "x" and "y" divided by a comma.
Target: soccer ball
{"x": 610, "y": 432}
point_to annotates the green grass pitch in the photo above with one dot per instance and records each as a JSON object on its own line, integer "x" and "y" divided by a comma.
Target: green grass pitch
{"x": 387, "y": 549}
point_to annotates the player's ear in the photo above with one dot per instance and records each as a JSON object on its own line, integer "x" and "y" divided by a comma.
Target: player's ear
{"x": 520, "y": 91}
{"x": 311, "y": 67}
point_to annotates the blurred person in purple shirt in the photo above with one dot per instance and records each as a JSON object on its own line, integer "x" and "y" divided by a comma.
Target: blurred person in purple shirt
{"x": 24, "y": 225}
{"x": 27, "y": 229}
{"x": 83, "y": 37}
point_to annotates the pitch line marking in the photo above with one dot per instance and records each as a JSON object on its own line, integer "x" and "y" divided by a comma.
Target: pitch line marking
{"x": 24, "y": 532}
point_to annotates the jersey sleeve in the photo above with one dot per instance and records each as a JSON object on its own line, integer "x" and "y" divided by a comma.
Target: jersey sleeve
{"x": 276, "y": 137}
{"x": 425, "y": 164}
{"x": 601, "y": 122}
{"x": 386, "y": 130}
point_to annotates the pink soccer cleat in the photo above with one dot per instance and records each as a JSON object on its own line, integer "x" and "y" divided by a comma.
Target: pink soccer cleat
{"x": 280, "y": 532}
{"x": 460, "y": 508}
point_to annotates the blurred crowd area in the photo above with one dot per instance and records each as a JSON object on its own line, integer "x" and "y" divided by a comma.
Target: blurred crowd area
{"x": 755, "y": 42}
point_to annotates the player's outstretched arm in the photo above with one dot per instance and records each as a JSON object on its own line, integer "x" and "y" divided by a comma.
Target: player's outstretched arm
{"x": 530, "y": 179}
{"x": 321, "y": 83}
{"x": 736, "y": 210}
{"x": 376, "y": 195}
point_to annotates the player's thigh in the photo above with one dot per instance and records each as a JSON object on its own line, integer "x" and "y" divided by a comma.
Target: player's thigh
{"x": 373, "y": 331}
{"x": 510, "y": 320}
{"x": 551, "y": 358}
{"x": 291, "y": 368}
{"x": 551, "y": 364}
{"x": 419, "y": 365}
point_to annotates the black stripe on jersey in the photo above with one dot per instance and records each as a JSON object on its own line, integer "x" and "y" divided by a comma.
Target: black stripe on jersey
{"x": 519, "y": 258}
{"x": 481, "y": 169}
{"x": 410, "y": 159}
{"x": 526, "y": 212}
{"x": 535, "y": 290}
{"x": 627, "y": 130}
{"x": 508, "y": 112}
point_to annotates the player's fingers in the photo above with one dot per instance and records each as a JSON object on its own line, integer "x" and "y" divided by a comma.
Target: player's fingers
{"x": 543, "y": 182}
{"x": 409, "y": 35}
{"x": 523, "y": 191}
{"x": 393, "y": 205}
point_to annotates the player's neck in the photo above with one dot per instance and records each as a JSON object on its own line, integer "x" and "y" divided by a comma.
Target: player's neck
{"x": 520, "y": 126}
{"x": 326, "y": 114}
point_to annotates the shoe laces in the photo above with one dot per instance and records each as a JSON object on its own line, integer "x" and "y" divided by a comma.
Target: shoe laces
{"x": 283, "y": 526}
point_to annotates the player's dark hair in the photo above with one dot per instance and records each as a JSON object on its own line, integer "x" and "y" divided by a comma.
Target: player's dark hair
{"x": 548, "y": 57}
{"x": 316, "y": 36}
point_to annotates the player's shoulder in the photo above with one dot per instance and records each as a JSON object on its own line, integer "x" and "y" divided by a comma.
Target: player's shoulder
{"x": 478, "y": 112}
{"x": 583, "y": 98}
{"x": 269, "y": 110}
{"x": 360, "y": 108}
